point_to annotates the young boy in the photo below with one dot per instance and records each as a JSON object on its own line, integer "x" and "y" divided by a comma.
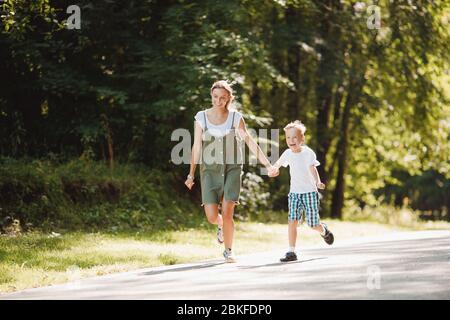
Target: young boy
{"x": 303, "y": 197}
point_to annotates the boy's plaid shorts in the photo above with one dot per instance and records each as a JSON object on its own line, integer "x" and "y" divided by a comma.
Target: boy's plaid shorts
{"x": 308, "y": 203}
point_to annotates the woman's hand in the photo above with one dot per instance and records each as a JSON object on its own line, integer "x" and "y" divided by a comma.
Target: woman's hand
{"x": 272, "y": 171}
{"x": 189, "y": 183}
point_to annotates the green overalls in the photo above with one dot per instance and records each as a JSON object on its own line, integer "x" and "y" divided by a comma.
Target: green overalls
{"x": 221, "y": 166}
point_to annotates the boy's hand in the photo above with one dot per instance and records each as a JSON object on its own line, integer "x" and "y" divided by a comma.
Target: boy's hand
{"x": 273, "y": 172}
{"x": 320, "y": 185}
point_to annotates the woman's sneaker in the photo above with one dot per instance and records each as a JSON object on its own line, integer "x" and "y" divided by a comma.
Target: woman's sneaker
{"x": 328, "y": 237}
{"x": 290, "y": 256}
{"x": 229, "y": 256}
{"x": 219, "y": 235}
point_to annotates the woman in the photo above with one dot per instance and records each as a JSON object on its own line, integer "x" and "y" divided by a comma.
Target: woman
{"x": 218, "y": 133}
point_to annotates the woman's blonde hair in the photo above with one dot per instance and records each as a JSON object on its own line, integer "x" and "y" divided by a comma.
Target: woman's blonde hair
{"x": 301, "y": 129}
{"x": 223, "y": 84}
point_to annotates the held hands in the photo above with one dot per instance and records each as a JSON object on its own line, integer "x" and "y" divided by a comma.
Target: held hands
{"x": 272, "y": 171}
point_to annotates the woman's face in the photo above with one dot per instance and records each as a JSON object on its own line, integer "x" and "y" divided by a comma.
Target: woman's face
{"x": 220, "y": 97}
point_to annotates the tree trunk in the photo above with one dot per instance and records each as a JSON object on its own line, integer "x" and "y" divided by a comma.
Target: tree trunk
{"x": 293, "y": 67}
{"x": 323, "y": 140}
{"x": 354, "y": 93}
{"x": 110, "y": 150}
{"x": 355, "y": 87}
{"x": 109, "y": 140}
{"x": 294, "y": 96}
{"x": 329, "y": 52}
{"x": 255, "y": 96}
{"x": 337, "y": 102}
{"x": 338, "y": 193}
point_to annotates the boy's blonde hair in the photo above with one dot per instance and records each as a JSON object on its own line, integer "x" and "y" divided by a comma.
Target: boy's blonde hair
{"x": 223, "y": 84}
{"x": 297, "y": 124}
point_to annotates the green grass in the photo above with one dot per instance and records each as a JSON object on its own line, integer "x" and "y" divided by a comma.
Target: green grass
{"x": 39, "y": 259}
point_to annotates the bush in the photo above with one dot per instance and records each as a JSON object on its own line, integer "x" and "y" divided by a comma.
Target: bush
{"x": 254, "y": 196}
{"x": 88, "y": 195}
{"x": 385, "y": 214}
{"x": 427, "y": 192}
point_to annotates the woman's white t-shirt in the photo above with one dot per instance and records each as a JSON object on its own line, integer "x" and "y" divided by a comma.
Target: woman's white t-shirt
{"x": 302, "y": 180}
{"x": 222, "y": 129}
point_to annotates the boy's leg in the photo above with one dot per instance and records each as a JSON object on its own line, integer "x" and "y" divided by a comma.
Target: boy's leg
{"x": 293, "y": 218}
{"x": 311, "y": 204}
{"x": 292, "y": 233}
{"x": 319, "y": 228}
{"x": 327, "y": 235}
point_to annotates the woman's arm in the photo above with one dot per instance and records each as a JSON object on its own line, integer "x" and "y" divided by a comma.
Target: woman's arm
{"x": 196, "y": 150}
{"x": 253, "y": 146}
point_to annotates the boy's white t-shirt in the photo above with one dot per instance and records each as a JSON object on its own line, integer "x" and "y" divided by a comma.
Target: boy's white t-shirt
{"x": 222, "y": 129}
{"x": 302, "y": 180}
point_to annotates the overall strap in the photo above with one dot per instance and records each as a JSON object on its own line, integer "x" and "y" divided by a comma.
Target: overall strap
{"x": 204, "y": 116}
{"x": 232, "y": 121}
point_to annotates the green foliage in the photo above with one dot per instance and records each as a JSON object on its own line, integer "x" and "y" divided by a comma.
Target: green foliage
{"x": 167, "y": 259}
{"x": 88, "y": 195}
{"x": 375, "y": 101}
{"x": 427, "y": 192}
{"x": 254, "y": 198}
{"x": 382, "y": 214}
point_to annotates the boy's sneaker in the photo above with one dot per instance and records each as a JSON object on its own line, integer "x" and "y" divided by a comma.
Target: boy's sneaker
{"x": 219, "y": 235}
{"x": 229, "y": 256}
{"x": 328, "y": 237}
{"x": 290, "y": 256}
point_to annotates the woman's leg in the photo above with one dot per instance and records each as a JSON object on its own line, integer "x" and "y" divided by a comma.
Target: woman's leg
{"x": 212, "y": 214}
{"x": 228, "y": 223}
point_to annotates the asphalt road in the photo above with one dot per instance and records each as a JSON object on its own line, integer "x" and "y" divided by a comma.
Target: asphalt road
{"x": 407, "y": 265}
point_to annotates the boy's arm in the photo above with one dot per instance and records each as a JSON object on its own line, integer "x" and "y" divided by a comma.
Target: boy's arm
{"x": 316, "y": 177}
{"x": 277, "y": 164}
{"x": 275, "y": 169}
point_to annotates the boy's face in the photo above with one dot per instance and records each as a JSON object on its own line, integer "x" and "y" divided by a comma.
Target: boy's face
{"x": 293, "y": 139}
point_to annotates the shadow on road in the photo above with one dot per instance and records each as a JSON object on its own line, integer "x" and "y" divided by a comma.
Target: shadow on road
{"x": 278, "y": 264}
{"x": 186, "y": 268}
